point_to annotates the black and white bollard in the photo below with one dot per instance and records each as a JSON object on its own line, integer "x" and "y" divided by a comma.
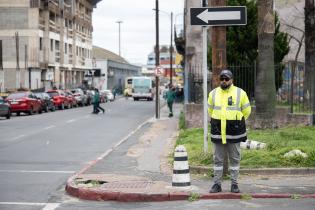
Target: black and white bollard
{"x": 181, "y": 176}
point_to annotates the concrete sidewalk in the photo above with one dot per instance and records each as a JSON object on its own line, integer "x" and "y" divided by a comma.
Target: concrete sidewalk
{"x": 138, "y": 169}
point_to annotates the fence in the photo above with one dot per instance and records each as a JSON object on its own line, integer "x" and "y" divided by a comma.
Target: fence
{"x": 291, "y": 91}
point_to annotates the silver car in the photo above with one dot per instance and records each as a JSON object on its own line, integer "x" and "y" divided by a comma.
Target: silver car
{"x": 80, "y": 96}
{"x": 5, "y": 110}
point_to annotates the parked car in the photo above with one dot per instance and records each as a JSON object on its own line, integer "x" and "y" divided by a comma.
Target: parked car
{"x": 4, "y": 109}
{"x": 25, "y": 101}
{"x": 90, "y": 95}
{"x": 80, "y": 96}
{"x": 73, "y": 101}
{"x": 108, "y": 95}
{"x": 46, "y": 101}
{"x": 59, "y": 98}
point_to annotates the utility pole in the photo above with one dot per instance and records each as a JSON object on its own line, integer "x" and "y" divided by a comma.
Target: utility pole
{"x": 1, "y": 68}
{"x": 171, "y": 51}
{"x": 119, "y": 22}
{"x": 18, "y": 72}
{"x": 218, "y": 36}
{"x": 157, "y": 60}
{"x": 26, "y": 63}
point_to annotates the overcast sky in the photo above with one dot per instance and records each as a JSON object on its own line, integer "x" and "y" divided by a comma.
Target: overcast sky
{"x": 138, "y": 27}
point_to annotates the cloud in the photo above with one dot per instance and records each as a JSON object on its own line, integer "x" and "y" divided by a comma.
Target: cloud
{"x": 137, "y": 29}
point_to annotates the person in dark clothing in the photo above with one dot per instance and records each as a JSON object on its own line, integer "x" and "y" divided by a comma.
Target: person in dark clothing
{"x": 96, "y": 103}
{"x": 170, "y": 97}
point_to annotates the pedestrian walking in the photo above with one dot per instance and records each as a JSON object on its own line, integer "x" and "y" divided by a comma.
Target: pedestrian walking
{"x": 96, "y": 103}
{"x": 229, "y": 107}
{"x": 170, "y": 97}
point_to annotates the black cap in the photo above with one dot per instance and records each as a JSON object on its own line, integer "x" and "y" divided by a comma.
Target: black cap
{"x": 226, "y": 73}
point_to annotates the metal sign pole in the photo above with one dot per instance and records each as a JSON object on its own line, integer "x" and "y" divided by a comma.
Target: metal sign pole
{"x": 205, "y": 91}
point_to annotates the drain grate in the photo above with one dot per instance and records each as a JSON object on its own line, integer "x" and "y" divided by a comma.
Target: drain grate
{"x": 126, "y": 185}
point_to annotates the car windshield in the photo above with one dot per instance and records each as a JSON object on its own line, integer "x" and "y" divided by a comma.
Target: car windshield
{"x": 39, "y": 95}
{"x": 17, "y": 95}
{"x": 52, "y": 94}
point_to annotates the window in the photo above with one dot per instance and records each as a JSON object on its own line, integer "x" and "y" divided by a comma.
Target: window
{"x": 40, "y": 43}
{"x": 66, "y": 48}
{"x": 51, "y": 45}
{"x": 57, "y": 45}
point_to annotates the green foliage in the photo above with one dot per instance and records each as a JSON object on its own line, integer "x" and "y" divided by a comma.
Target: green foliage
{"x": 242, "y": 47}
{"x": 182, "y": 124}
{"x": 278, "y": 141}
{"x": 193, "y": 197}
{"x": 246, "y": 196}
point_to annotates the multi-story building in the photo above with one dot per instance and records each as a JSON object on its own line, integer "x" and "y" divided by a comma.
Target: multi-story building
{"x": 45, "y": 43}
{"x": 165, "y": 62}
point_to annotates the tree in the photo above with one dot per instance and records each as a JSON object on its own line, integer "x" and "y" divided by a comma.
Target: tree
{"x": 242, "y": 47}
{"x": 310, "y": 51}
{"x": 243, "y": 44}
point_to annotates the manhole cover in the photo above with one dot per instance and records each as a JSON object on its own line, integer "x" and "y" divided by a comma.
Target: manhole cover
{"x": 126, "y": 185}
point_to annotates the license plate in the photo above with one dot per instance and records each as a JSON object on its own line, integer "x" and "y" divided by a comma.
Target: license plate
{"x": 14, "y": 102}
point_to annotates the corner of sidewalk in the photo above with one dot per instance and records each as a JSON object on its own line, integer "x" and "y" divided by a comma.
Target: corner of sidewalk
{"x": 151, "y": 177}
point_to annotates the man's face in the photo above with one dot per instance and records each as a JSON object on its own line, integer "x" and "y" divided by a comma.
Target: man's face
{"x": 225, "y": 82}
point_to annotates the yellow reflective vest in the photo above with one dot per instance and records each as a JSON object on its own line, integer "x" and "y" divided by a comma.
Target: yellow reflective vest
{"x": 228, "y": 110}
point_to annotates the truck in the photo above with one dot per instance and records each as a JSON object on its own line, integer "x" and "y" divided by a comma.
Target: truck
{"x": 143, "y": 88}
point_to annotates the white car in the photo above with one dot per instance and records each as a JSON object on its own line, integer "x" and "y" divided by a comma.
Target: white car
{"x": 108, "y": 95}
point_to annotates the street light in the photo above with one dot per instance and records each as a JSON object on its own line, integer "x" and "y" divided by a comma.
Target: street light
{"x": 119, "y": 22}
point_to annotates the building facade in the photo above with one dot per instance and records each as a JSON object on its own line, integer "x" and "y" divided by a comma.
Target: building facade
{"x": 45, "y": 43}
{"x": 110, "y": 70}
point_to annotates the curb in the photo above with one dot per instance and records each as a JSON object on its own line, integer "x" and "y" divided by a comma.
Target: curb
{"x": 260, "y": 171}
{"x": 97, "y": 194}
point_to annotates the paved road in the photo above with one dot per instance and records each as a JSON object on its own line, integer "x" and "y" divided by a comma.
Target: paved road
{"x": 38, "y": 153}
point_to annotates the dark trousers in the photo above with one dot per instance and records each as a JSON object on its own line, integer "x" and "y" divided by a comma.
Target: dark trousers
{"x": 170, "y": 106}
{"x": 97, "y": 108}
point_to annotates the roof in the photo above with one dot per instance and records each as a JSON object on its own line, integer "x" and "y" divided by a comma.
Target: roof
{"x": 94, "y": 2}
{"x": 101, "y": 53}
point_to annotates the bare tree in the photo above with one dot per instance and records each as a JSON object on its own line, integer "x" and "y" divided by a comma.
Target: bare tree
{"x": 265, "y": 92}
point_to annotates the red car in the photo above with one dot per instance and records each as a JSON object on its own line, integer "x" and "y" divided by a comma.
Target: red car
{"x": 25, "y": 102}
{"x": 71, "y": 98}
{"x": 59, "y": 98}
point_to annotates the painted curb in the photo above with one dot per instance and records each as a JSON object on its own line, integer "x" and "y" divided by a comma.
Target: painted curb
{"x": 101, "y": 195}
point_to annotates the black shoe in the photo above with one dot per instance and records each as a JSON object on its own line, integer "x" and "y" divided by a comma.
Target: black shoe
{"x": 234, "y": 188}
{"x": 216, "y": 188}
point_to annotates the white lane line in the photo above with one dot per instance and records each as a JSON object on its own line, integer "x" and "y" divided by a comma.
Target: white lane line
{"x": 26, "y": 171}
{"x": 47, "y": 206}
{"x": 49, "y": 127}
{"x": 70, "y": 121}
{"x": 51, "y": 206}
{"x": 18, "y": 137}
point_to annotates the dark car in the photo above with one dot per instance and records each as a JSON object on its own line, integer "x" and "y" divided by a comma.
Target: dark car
{"x": 47, "y": 102}
{"x": 24, "y": 101}
{"x": 4, "y": 109}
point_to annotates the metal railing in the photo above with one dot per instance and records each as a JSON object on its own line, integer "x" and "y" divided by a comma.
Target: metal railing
{"x": 291, "y": 89}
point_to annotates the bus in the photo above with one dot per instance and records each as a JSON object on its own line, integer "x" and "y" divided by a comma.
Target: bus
{"x": 128, "y": 85}
{"x": 143, "y": 88}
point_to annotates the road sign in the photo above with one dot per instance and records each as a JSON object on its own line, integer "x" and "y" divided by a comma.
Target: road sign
{"x": 218, "y": 16}
{"x": 159, "y": 71}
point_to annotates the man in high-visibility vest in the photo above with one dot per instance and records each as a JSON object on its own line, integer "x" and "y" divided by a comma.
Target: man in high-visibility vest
{"x": 228, "y": 107}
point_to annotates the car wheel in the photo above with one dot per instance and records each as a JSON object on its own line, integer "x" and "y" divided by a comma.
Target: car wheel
{"x": 53, "y": 108}
{"x": 31, "y": 111}
{"x": 62, "y": 107}
{"x": 8, "y": 116}
{"x": 18, "y": 114}
{"x": 46, "y": 109}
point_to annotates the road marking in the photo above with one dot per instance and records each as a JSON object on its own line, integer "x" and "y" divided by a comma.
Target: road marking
{"x": 18, "y": 137}
{"x": 70, "y": 121}
{"x": 51, "y": 206}
{"x": 47, "y": 206}
{"x": 49, "y": 127}
{"x": 26, "y": 171}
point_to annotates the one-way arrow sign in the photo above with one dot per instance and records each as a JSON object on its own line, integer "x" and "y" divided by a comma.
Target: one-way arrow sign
{"x": 218, "y": 16}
